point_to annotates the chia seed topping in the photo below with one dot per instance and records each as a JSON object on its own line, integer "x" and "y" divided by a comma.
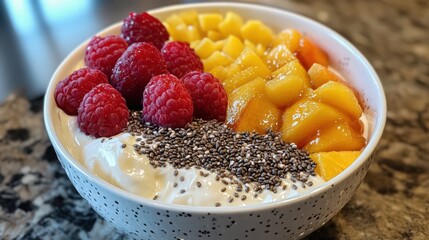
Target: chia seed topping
{"x": 263, "y": 160}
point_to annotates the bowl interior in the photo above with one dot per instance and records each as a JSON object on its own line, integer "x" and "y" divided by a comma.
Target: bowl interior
{"x": 344, "y": 58}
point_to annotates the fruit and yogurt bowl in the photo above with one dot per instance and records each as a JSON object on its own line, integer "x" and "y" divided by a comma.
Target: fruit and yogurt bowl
{"x": 219, "y": 120}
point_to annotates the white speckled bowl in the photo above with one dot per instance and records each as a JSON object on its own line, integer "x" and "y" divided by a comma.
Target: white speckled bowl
{"x": 288, "y": 219}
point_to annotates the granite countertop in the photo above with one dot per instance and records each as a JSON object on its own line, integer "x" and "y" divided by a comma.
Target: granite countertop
{"x": 38, "y": 201}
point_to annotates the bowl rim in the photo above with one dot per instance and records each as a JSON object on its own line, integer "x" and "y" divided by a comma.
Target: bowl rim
{"x": 380, "y": 121}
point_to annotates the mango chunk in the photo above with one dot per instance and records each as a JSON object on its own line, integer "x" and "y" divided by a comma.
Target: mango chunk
{"x": 339, "y": 96}
{"x": 320, "y": 75}
{"x": 209, "y": 21}
{"x": 233, "y": 46}
{"x": 205, "y": 48}
{"x": 240, "y": 78}
{"x": 249, "y": 58}
{"x": 305, "y": 118}
{"x": 214, "y": 35}
{"x": 330, "y": 164}
{"x": 278, "y": 56}
{"x": 220, "y": 72}
{"x": 189, "y": 17}
{"x": 309, "y": 53}
{"x": 239, "y": 98}
{"x": 216, "y": 59}
{"x": 285, "y": 90}
{"x": 289, "y": 37}
{"x": 260, "y": 116}
{"x": 257, "y": 32}
{"x": 338, "y": 137}
{"x": 231, "y": 24}
{"x": 293, "y": 67}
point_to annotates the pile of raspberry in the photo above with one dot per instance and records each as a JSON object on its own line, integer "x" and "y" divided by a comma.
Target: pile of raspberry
{"x": 140, "y": 70}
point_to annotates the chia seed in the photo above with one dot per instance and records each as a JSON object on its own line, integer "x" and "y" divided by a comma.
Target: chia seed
{"x": 263, "y": 160}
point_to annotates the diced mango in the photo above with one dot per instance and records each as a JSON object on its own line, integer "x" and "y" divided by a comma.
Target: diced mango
{"x": 293, "y": 67}
{"x": 189, "y": 17}
{"x": 339, "y": 96}
{"x": 249, "y": 44}
{"x": 338, "y": 137}
{"x": 214, "y": 35}
{"x": 209, "y": 21}
{"x": 257, "y": 32}
{"x": 216, "y": 59}
{"x": 249, "y": 58}
{"x": 278, "y": 56}
{"x": 239, "y": 98}
{"x": 303, "y": 119}
{"x": 288, "y": 37}
{"x": 220, "y": 72}
{"x": 232, "y": 69}
{"x": 259, "y": 115}
{"x": 330, "y": 164}
{"x": 231, "y": 25}
{"x": 284, "y": 90}
{"x": 309, "y": 53}
{"x": 174, "y": 20}
{"x": 320, "y": 75}
{"x": 260, "y": 50}
{"x": 240, "y": 78}
{"x": 233, "y": 46}
{"x": 205, "y": 48}
{"x": 219, "y": 44}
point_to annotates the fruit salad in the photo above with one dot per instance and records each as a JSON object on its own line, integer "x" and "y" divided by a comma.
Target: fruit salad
{"x": 209, "y": 109}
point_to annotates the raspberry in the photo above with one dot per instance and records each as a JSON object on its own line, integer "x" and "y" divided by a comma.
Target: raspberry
{"x": 103, "y": 112}
{"x": 208, "y": 95}
{"x": 70, "y": 91}
{"x": 166, "y": 102}
{"x": 134, "y": 69}
{"x": 144, "y": 28}
{"x": 103, "y": 52}
{"x": 181, "y": 59}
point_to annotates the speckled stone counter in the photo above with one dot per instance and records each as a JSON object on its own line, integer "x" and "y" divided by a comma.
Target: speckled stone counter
{"x": 38, "y": 201}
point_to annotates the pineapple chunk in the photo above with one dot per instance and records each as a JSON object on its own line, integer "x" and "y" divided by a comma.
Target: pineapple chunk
{"x": 305, "y": 118}
{"x": 239, "y": 98}
{"x": 233, "y": 46}
{"x": 209, "y": 21}
{"x": 231, "y": 25}
{"x": 330, "y": 164}
{"x": 259, "y": 115}
{"x": 257, "y": 32}
{"x": 290, "y": 38}
{"x": 339, "y": 96}
{"x": 205, "y": 48}
{"x": 278, "y": 57}
{"x": 320, "y": 75}
{"x": 216, "y": 59}
{"x": 338, "y": 137}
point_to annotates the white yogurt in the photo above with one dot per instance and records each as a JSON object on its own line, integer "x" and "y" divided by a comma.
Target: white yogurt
{"x": 126, "y": 169}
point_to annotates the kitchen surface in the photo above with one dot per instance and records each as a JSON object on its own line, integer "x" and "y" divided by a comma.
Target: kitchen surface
{"x": 37, "y": 201}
